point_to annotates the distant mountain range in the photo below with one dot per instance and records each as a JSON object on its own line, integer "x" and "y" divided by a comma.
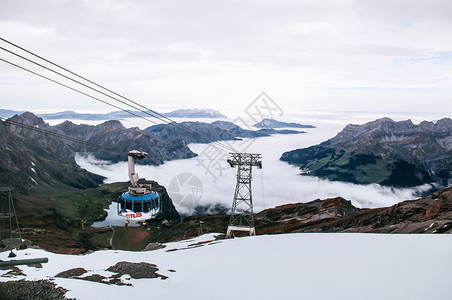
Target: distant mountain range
{"x": 31, "y": 159}
{"x": 34, "y": 159}
{"x": 271, "y": 123}
{"x": 194, "y": 113}
{"x": 201, "y": 132}
{"x": 386, "y": 152}
{"x": 118, "y": 115}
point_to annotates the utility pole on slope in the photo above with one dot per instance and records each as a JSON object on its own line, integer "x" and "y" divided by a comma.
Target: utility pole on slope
{"x": 9, "y": 215}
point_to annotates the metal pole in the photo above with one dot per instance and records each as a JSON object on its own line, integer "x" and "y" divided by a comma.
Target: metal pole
{"x": 31, "y": 261}
{"x": 22, "y": 245}
{"x": 11, "y": 254}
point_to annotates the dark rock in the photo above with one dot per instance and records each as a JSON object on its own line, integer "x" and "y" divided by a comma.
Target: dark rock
{"x": 432, "y": 214}
{"x": 154, "y": 246}
{"x": 22, "y": 289}
{"x": 71, "y": 273}
{"x": 136, "y": 270}
{"x": 15, "y": 271}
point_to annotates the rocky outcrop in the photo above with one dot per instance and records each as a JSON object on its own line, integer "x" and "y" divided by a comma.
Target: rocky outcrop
{"x": 292, "y": 217}
{"x": 24, "y": 289}
{"x": 386, "y": 152}
{"x": 432, "y": 214}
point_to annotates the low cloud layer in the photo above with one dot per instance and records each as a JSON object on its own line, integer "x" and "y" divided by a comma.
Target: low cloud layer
{"x": 204, "y": 182}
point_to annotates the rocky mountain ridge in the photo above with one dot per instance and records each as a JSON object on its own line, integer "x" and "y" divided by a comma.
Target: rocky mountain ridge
{"x": 32, "y": 159}
{"x": 384, "y": 151}
{"x": 432, "y": 214}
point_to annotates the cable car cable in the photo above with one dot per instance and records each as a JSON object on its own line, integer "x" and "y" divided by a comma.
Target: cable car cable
{"x": 159, "y": 116}
{"x": 98, "y": 85}
{"x": 74, "y": 89}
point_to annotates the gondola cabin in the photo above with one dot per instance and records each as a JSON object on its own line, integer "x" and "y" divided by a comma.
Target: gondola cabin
{"x": 139, "y": 207}
{"x": 140, "y": 202}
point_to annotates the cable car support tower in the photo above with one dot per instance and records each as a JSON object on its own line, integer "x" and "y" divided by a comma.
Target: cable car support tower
{"x": 242, "y": 205}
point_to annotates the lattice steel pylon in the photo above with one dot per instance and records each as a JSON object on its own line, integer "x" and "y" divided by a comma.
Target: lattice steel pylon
{"x": 242, "y": 205}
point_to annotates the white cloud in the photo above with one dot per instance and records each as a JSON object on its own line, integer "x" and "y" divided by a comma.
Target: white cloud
{"x": 277, "y": 183}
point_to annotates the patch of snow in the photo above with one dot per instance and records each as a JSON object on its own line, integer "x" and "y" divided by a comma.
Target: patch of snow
{"x": 286, "y": 266}
{"x": 395, "y": 138}
{"x": 429, "y": 226}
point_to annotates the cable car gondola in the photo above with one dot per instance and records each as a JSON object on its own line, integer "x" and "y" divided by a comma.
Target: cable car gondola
{"x": 140, "y": 202}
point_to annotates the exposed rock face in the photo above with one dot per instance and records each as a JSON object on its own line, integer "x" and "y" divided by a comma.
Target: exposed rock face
{"x": 290, "y": 217}
{"x": 271, "y": 123}
{"x": 29, "y": 159}
{"x": 432, "y": 214}
{"x": 23, "y": 289}
{"x": 383, "y": 151}
{"x": 215, "y": 131}
{"x": 136, "y": 270}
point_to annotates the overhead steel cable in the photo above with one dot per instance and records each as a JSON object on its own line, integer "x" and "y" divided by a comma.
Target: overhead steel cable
{"x": 156, "y": 114}
{"x": 61, "y": 136}
{"x": 86, "y": 79}
{"x": 74, "y": 89}
{"x": 76, "y": 81}
{"x": 146, "y": 110}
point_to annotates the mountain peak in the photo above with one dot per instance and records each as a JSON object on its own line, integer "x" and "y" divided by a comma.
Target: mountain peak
{"x": 112, "y": 125}
{"x": 28, "y": 118}
{"x": 383, "y": 151}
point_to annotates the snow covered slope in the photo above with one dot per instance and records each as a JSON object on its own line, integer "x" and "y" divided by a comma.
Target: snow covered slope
{"x": 286, "y": 266}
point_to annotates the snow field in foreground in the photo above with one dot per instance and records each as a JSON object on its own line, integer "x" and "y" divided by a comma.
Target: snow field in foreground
{"x": 292, "y": 266}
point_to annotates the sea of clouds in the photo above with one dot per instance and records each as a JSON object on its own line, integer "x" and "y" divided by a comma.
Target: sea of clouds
{"x": 208, "y": 180}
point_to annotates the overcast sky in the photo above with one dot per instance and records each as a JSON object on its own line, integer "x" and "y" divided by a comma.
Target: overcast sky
{"x": 343, "y": 55}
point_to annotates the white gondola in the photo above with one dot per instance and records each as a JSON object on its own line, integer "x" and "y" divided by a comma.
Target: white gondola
{"x": 140, "y": 202}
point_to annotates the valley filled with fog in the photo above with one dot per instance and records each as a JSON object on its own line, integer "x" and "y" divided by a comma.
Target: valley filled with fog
{"x": 208, "y": 180}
